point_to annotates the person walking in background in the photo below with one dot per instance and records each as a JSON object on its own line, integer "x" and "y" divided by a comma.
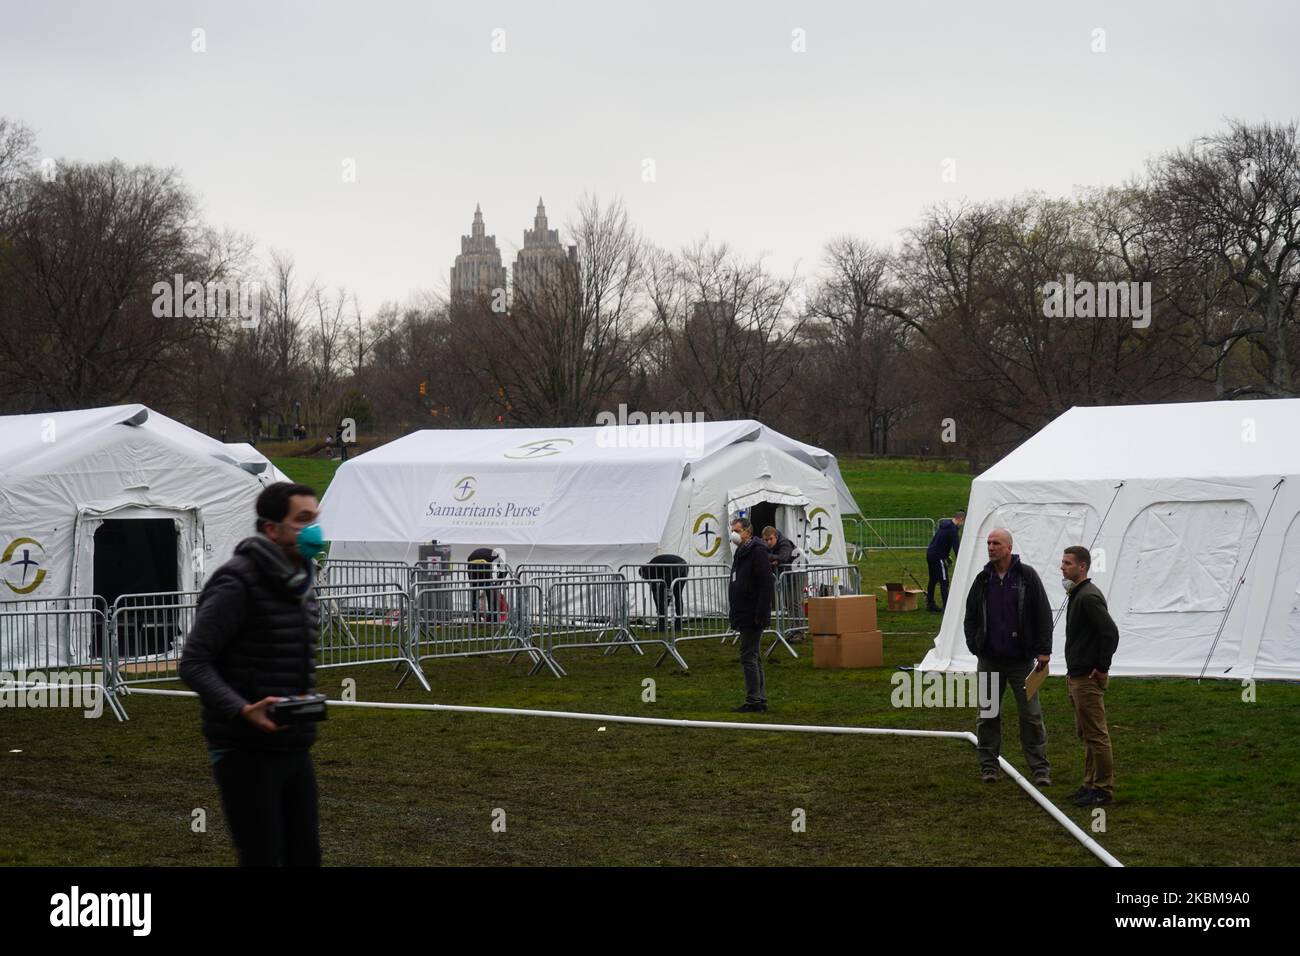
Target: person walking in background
{"x": 750, "y": 608}
{"x": 252, "y": 645}
{"x": 1091, "y": 639}
{"x": 342, "y": 445}
{"x": 944, "y": 542}
{"x": 1009, "y": 624}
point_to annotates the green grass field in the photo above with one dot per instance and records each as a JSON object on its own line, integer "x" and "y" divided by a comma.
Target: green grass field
{"x": 1203, "y": 778}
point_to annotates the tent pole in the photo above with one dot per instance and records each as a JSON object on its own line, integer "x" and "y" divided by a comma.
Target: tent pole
{"x": 1241, "y": 580}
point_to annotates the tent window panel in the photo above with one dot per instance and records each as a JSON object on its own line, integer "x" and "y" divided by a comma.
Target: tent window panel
{"x": 1187, "y": 552}
{"x": 1040, "y": 534}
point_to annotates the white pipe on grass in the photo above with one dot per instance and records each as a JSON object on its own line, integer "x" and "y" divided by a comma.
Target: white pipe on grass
{"x": 1071, "y": 827}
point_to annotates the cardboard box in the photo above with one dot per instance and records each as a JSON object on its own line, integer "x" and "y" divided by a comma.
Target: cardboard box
{"x": 847, "y": 614}
{"x": 826, "y": 650}
{"x": 899, "y": 598}
{"x": 859, "y": 649}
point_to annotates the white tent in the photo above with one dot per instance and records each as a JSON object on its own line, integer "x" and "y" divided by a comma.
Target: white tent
{"x": 246, "y": 454}
{"x": 604, "y": 495}
{"x": 116, "y": 500}
{"x": 1192, "y": 512}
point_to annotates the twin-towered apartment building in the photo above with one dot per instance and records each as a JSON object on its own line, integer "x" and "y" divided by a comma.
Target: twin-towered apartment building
{"x": 478, "y": 270}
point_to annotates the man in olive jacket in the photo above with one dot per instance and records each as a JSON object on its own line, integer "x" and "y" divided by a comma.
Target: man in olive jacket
{"x": 1008, "y": 626}
{"x": 750, "y": 599}
{"x": 252, "y": 644}
{"x": 1091, "y": 638}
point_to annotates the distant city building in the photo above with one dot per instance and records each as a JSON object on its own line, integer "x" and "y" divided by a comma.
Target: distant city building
{"x": 478, "y": 270}
{"x": 543, "y": 259}
{"x": 711, "y": 318}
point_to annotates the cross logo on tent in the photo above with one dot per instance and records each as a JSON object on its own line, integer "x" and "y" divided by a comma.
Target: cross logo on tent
{"x": 466, "y": 488}
{"x": 704, "y": 529}
{"x": 26, "y": 563}
{"x": 820, "y": 529}
{"x": 542, "y": 448}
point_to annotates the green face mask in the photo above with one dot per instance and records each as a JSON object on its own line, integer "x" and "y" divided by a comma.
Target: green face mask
{"x": 311, "y": 541}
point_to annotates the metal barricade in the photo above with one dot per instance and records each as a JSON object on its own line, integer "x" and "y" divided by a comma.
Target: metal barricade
{"x": 366, "y": 626}
{"x": 889, "y": 534}
{"x": 596, "y": 612}
{"x": 373, "y": 575}
{"x": 529, "y": 573}
{"x": 692, "y": 608}
{"x": 462, "y": 574}
{"x": 795, "y": 586}
{"x": 491, "y": 617}
{"x": 57, "y": 643}
{"x": 147, "y": 638}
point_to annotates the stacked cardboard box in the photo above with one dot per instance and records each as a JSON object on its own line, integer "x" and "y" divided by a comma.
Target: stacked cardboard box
{"x": 844, "y": 631}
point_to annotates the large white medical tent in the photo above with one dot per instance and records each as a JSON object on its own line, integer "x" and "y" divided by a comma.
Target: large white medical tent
{"x": 246, "y": 455}
{"x": 601, "y": 495}
{"x": 111, "y": 501}
{"x": 1192, "y": 513}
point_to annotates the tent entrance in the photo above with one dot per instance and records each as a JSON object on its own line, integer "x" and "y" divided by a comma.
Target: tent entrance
{"x": 136, "y": 556}
{"x": 762, "y": 514}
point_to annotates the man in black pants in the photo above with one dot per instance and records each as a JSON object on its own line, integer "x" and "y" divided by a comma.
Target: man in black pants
{"x": 944, "y": 542}
{"x": 750, "y": 599}
{"x": 664, "y": 571}
{"x": 252, "y": 644}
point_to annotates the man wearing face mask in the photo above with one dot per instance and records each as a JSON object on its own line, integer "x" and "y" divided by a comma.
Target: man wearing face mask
{"x": 252, "y": 645}
{"x": 750, "y": 599}
{"x": 1091, "y": 638}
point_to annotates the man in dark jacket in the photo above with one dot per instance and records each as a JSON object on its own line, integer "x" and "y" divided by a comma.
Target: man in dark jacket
{"x": 1091, "y": 638}
{"x": 664, "y": 571}
{"x": 941, "y": 545}
{"x": 252, "y": 645}
{"x": 1008, "y": 625}
{"x": 750, "y": 599}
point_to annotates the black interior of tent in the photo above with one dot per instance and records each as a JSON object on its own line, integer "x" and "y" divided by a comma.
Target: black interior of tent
{"x": 762, "y": 515}
{"x": 137, "y": 556}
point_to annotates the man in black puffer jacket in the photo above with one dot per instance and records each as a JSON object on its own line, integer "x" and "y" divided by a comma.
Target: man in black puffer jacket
{"x": 750, "y": 598}
{"x": 253, "y": 644}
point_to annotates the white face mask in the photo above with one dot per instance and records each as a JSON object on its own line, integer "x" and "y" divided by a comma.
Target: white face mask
{"x": 1067, "y": 584}
{"x": 735, "y": 537}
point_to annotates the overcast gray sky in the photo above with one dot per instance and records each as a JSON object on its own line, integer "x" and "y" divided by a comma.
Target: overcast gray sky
{"x": 770, "y": 149}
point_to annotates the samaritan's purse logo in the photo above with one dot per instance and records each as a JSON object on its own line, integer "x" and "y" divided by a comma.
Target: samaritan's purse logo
{"x": 819, "y": 531}
{"x": 22, "y": 565}
{"x": 705, "y": 530}
{"x": 465, "y": 488}
{"x": 542, "y": 448}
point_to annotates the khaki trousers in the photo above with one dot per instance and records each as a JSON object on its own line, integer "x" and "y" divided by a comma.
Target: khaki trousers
{"x": 1086, "y": 697}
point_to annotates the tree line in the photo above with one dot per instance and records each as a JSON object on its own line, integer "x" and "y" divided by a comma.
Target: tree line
{"x": 979, "y": 325}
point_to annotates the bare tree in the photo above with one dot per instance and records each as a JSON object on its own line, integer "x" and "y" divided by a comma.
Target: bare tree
{"x": 731, "y": 327}
{"x": 82, "y": 255}
{"x": 858, "y": 352}
{"x": 1229, "y": 208}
